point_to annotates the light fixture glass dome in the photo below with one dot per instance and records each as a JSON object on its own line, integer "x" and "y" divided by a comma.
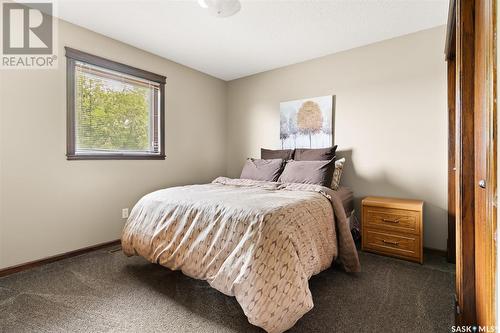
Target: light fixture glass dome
{"x": 221, "y": 8}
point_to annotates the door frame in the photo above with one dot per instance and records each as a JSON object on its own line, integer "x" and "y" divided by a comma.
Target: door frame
{"x": 468, "y": 21}
{"x": 464, "y": 161}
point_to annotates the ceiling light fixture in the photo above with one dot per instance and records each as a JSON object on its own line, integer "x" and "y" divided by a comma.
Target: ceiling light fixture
{"x": 221, "y": 8}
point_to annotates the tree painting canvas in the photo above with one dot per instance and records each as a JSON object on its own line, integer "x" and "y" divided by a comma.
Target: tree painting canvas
{"x": 307, "y": 123}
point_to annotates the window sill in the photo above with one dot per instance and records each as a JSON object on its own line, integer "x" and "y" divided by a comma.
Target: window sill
{"x": 114, "y": 157}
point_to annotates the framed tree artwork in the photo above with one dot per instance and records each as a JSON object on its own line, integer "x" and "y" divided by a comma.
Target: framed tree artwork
{"x": 307, "y": 123}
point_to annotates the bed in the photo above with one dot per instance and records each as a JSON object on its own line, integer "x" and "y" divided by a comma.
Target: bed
{"x": 256, "y": 240}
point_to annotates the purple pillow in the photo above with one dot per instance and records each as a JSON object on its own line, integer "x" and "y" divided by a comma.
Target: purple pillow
{"x": 268, "y": 170}
{"x": 284, "y": 154}
{"x": 308, "y": 172}
{"x": 319, "y": 154}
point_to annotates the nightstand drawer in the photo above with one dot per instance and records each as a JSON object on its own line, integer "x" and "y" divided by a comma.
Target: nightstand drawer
{"x": 390, "y": 219}
{"x": 406, "y": 246}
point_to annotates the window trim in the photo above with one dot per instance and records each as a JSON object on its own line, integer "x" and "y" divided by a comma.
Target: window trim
{"x": 72, "y": 56}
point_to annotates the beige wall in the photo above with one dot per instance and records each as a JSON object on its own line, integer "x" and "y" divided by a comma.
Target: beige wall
{"x": 50, "y": 205}
{"x": 390, "y": 118}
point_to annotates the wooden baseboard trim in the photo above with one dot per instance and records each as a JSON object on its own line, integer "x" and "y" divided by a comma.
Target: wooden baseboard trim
{"x": 442, "y": 253}
{"x": 48, "y": 260}
{"x": 66, "y": 255}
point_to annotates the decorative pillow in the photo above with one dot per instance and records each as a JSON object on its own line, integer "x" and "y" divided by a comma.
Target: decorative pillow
{"x": 337, "y": 173}
{"x": 268, "y": 154}
{"x": 308, "y": 172}
{"x": 321, "y": 154}
{"x": 268, "y": 170}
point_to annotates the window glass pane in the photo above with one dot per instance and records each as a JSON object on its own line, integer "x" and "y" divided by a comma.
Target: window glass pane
{"x": 114, "y": 112}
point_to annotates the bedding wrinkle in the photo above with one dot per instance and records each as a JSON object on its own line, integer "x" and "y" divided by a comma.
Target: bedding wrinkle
{"x": 255, "y": 240}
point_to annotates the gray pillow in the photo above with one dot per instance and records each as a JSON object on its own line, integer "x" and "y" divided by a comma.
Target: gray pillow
{"x": 284, "y": 154}
{"x": 308, "y": 172}
{"x": 321, "y": 154}
{"x": 268, "y": 170}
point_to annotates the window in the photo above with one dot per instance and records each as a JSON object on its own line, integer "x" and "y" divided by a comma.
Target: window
{"x": 114, "y": 111}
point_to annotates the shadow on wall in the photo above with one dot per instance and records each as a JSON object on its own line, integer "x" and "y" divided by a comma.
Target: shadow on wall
{"x": 382, "y": 185}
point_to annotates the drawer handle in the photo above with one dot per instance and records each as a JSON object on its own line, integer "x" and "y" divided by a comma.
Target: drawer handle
{"x": 390, "y": 242}
{"x": 391, "y": 221}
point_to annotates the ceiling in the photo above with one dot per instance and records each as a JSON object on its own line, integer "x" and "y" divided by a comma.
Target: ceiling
{"x": 264, "y": 35}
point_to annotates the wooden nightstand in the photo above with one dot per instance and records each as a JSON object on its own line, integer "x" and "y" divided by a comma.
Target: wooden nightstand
{"x": 393, "y": 227}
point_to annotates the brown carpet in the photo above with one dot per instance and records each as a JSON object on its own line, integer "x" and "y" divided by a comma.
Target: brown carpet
{"x": 105, "y": 291}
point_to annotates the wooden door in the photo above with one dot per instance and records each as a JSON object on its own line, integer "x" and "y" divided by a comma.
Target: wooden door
{"x": 463, "y": 16}
{"x": 471, "y": 55}
{"x": 485, "y": 161}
